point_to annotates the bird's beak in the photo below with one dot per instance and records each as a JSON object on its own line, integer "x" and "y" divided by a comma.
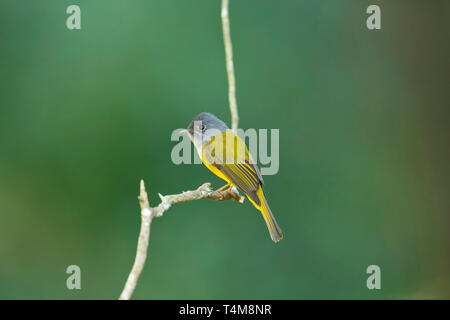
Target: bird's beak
{"x": 184, "y": 131}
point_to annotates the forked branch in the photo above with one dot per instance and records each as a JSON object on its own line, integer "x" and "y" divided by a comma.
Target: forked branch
{"x": 147, "y": 215}
{"x": 204, "y": 191}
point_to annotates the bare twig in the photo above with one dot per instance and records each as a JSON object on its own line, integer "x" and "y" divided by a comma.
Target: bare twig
{"x": 230, "y": 65}
{"x": 144, "y": 236}
{"x": 147, "y": 215}
{"x": 204, "y": 191}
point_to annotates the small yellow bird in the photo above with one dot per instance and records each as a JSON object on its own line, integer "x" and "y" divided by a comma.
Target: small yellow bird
{"x": 226, "y": 155}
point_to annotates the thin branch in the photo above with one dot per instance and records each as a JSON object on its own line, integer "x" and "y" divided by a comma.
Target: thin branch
{"x": 147, "y": 215}
{"x": 144, "y": 236}
{"x": 204, "y": 191}
{"x": 230, "y": 65}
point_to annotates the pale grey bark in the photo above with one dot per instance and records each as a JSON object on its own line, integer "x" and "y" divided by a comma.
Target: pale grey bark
{"x": 203, "y": 192}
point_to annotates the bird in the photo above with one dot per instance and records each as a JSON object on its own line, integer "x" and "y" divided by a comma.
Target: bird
{"x": 225, "y": 154}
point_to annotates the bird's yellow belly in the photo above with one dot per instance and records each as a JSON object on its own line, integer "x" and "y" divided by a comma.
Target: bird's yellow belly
{"x": 214, "y": 170}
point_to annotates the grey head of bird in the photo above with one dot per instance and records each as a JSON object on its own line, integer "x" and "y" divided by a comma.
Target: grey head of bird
{"x": 204, "y": 127}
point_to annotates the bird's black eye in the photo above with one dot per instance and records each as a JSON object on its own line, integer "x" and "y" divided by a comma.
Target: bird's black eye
{"x": 202, "y": 127}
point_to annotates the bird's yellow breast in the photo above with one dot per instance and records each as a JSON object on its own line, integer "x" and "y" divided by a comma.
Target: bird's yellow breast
{"x": 214, "y": 170}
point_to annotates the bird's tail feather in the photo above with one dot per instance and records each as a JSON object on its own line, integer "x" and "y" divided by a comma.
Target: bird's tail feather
{"x": 275, "y": 232}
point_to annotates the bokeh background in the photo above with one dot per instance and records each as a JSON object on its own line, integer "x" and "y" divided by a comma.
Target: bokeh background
{"x": 363, "y": 119}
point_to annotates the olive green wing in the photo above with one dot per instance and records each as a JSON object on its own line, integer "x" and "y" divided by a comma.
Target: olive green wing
{"x": 229, "y": 154}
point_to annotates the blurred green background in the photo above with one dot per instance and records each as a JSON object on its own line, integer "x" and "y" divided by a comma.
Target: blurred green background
{"x": 363, "y": 119}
